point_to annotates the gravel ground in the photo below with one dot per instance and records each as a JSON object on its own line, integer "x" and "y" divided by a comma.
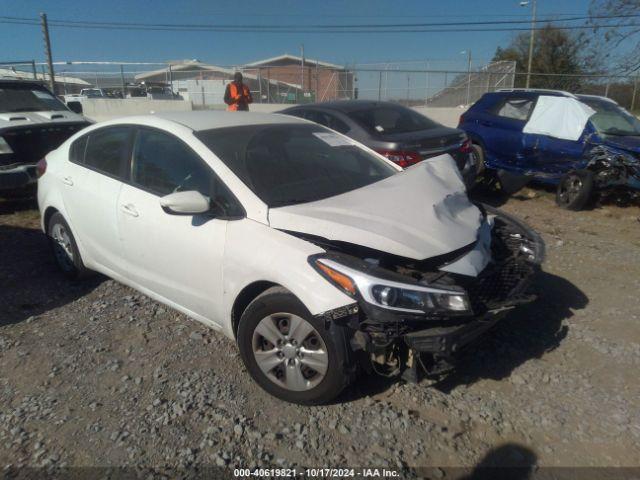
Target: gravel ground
{"x": 94, "y": 373}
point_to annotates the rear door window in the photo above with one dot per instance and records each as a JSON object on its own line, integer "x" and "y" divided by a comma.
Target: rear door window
{"x": 514, "y": 108}
{"x": 107, "y": 150}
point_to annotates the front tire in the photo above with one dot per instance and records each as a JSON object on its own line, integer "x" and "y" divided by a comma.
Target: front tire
{"x": 289, "y": 353}
{"x": 575, "y": 190}
{"x": 65, "y": 249}
{"x": 478, "y": 153}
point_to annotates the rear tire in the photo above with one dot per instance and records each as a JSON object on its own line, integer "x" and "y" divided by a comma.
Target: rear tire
{"x": 575, "y": 190}
{"x": 65, "y": 249}
{"x": 291, "y": 354}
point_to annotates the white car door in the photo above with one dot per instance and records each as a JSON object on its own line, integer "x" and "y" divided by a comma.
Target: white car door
{"x": 92, "y": 181}
{"x": 176, "y": 257}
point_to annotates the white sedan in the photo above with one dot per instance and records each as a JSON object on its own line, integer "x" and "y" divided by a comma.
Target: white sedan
{"x": 319, "y": 257}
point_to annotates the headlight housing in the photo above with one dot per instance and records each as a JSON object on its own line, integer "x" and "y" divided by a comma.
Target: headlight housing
{"x": 392, "y": 295}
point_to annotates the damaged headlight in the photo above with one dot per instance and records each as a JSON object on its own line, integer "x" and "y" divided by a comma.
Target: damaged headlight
{"x": 401, "y": 297}
{"x": 415, "y": 300}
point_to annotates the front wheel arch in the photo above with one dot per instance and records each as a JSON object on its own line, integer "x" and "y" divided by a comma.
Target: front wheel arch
{"x": 247, "y": 295}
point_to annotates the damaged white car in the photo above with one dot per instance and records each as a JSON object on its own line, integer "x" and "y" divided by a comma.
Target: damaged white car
{"x": 319, "y": 257}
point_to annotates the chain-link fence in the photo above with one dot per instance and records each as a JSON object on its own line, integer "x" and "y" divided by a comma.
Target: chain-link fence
{"x": 434, "y": 84}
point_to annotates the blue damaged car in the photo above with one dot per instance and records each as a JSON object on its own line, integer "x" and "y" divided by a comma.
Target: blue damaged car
{"x": 586, "y": 145}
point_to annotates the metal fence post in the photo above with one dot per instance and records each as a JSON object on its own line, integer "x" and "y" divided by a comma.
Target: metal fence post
{"x": 124, "y": 87}
{"x": 380, "y": 85}
{"x": 633, "y": 95}
{"x": 606, "y": 90}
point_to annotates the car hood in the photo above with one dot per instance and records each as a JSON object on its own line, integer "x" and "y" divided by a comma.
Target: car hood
{"x": 625, "y": 143}
{"x": 418, "y": 213}
{"x": 25, "y": 119}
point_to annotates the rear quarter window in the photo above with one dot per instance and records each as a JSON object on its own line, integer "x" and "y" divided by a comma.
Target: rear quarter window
{"x": 515, "y": 108}
{"x": 76, "y": 151}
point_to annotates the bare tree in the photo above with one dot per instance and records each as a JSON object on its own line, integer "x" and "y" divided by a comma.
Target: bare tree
{"x": 618, "y": 45}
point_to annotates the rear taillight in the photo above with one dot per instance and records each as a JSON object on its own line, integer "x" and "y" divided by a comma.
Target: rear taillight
{"x": 466, "y": 146}
{"x": 41, "y": 167}
{"x": 402, "y": 158}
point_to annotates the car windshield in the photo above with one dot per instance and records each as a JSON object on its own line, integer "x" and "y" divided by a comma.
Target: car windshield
{"x": 390, "y": 119}
{"x": 610, "y": 119}
{"x": 287, "y": 164}
{"x": 27, "y": 98}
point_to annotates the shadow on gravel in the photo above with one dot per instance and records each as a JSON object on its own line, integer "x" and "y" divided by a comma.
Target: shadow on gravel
{"x": 510, "y": 461}
{"x": 527, "y": 333}
{"x": 10, "y": 206}
{"x": 30, "y": 283}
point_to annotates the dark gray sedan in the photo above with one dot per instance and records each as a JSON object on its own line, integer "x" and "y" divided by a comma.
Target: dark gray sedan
{"x": 399, "y": 133}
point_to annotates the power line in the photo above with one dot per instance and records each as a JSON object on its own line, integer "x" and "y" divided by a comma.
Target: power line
{"x": 240, "y": 29}
{"x": 312, "y": 28}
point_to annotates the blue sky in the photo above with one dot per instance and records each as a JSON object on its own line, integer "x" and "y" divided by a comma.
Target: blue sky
{"x": 22, "y": 42}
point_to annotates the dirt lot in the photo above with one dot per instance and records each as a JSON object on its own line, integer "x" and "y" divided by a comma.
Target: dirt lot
{"x": 96, "y": 374}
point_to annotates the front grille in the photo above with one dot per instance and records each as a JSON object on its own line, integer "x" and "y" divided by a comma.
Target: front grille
{"x": 499, "y": 283}
{"x": 506, "y": 277}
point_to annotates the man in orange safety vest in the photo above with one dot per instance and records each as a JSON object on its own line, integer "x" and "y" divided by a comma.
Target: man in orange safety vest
{"x": 237, "y": 95}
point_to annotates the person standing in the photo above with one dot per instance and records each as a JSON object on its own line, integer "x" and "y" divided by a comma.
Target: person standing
{"x": 237, "y": 95}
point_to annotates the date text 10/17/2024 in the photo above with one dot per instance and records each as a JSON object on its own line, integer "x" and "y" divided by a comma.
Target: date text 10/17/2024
{"x": 373, "y": 473}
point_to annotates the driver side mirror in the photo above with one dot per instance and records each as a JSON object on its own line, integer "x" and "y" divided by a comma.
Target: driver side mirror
{"x": 190, "y": 202}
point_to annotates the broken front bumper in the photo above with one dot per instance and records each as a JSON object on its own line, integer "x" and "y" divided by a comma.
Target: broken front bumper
{"x": 502, "y": 285}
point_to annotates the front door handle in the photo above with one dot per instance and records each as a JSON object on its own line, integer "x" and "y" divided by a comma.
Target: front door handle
{"x": 67, "y": 181}
{"x": 129, "y": 210}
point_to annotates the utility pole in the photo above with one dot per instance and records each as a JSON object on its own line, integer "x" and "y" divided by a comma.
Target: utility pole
{"x": 531, "y": 37}
{"x": 468, "y": 77}
{"x": 302, "y": 70}
{"x": 47, "y": 49}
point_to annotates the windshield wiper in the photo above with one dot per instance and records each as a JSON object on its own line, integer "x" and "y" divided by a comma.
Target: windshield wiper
{"x": 621, "y": 133}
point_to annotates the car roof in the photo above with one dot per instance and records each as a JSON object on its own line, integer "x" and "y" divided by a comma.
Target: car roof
{"x": 210, "y": 119}
{"x": 345, "y": 106}
{"x": 543, "y": 91}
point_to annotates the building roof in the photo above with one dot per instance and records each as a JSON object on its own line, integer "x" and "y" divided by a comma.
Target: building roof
{"x": 189, "y": 65}
{"x": 196, "y": 65}
{"x": 9, "y": 73}
{"x": 286, "y": 56}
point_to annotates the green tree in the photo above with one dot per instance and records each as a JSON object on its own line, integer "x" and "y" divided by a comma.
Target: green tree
{"x": 555, "y": 51}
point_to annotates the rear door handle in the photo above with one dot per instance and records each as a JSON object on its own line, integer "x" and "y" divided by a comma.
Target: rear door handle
{"x": 67, "y": 181}
{"x": 129, "y": 210}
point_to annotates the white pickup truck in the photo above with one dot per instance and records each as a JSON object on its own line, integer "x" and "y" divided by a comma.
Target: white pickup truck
{"x": 33, "y": 122}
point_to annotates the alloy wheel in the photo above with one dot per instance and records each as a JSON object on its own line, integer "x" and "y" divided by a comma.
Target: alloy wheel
{"x": 290, "y": 351}
{"x": 62, "y": 246}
